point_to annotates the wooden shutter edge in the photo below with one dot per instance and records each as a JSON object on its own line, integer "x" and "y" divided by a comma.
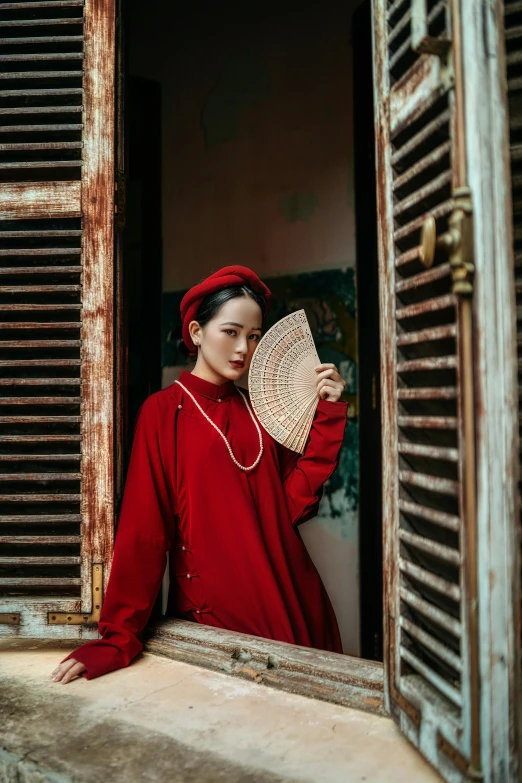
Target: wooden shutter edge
{"x": 496, "y": 393}
{"x": 98, "y": 322}
{"x": 388, "y": 350}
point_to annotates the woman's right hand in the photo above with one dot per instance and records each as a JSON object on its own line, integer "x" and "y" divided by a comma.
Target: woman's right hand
{"x": 67, "y": 670}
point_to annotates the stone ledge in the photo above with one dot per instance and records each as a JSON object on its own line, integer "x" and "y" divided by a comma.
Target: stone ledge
{"x": 162, "y": 720}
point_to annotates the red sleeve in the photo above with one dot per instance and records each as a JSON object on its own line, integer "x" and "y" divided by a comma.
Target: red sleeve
{"x": 144, "y": 535}
{"x": 303, "y": 476}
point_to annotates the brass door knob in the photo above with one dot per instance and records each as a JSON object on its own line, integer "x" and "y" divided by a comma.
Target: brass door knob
{"x": 430, "y": 243}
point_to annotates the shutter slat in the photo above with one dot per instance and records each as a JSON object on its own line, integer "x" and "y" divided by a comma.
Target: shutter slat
{"x": 39, "y": 381}
{"x": 512, "y": 8}
{"x": 40, "y": 476}
{"x": 427, "y": 306}
{"x": 419, "y": 138}
{"x": 430, "y": 452}
{"x": 30, "y": 57}
{"x": 12, "y": 75}
{"x": 40, "y": 344}
{"x": 513, "y": 33}
{"x": 41, "y": 540}
{"x": 59, "y": 126}
{"x": 58, "y": 560}
{"x": 36, "y": 146}
{"x": 423, "y": 365}
{"x": 445, "y": 520}
{"x": 423, "y": 544}
{"x": 40, "y": 308}
{"x": 40, "y": 519}
{"x": 423, "y": 278}
{"x": 35, "y": 164}
{"x": 40, "y": 419}
{"x": 428, "y": 335}
{"x": 39, "y": 498}
{"x": 39, "y": 582}
{"x": 432, "y": 483}
{"x": 423, "y": 164}
{"x": 395, "y": 5}
{"x": 40, "y": 400}
{"x": 38, "y": 289}
{"x": 40, "y": 438}
{"x": 432, "y": 677}
{"x": 431, "y": 612}
{"x": 45, "y": 4}
{"x": 435, "y": 393}
{"x": 44, "y": 233}
{"x": 40, "y": 22}
{"x": 429, "y": 579}
{"x": 440, "y": 211}
{"x": 40, "y": 362}
{"x": 428, "y": 422}
{"x": 43, "y": 39}
{"x": 17, "y": 110}
{"x": 423, "y": 193}
{"x": 399, "y": 27}
{"x": 39, "y": 325}
{"x": 432, "y": 644}
{"x": 30, "y": 92}
{"x": 40, "y": 457}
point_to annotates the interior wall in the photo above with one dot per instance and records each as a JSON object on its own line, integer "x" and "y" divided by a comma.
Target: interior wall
{"x": 258, "y": 170}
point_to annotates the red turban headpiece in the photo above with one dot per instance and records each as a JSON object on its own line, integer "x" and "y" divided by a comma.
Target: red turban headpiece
{"x": 223, "y": 278}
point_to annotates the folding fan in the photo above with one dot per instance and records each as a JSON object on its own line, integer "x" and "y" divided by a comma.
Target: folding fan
{"x": 283, "y": 383}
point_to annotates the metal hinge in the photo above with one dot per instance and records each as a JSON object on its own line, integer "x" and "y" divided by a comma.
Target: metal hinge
{"x": 9, "y": 618}
{"x": 120, "y": 212}
{"x": 83, "y": 618}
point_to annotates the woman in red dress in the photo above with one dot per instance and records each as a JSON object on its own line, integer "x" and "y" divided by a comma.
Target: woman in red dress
{"x": 209, "y": 485}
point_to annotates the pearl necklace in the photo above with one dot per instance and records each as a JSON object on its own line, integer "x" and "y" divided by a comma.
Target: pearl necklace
{"x": 227, "y": 444}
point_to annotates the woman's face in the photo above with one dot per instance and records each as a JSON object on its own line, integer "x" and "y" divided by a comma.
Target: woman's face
{"x": 227, "y": 342}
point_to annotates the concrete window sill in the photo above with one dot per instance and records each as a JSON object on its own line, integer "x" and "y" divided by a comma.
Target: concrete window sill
{"x": 161, "y": 719}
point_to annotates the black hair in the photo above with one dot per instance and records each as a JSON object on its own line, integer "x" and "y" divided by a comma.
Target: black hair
{"x": 212, "y": 302}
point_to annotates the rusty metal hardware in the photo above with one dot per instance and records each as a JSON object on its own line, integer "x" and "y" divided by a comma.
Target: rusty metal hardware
{"x": 457, "y": 242}
{"x": 120, "y": 211}
{"x": 83, "y": 618}
{"x": 9, "y": 618}
{"x": 421, "y": 41}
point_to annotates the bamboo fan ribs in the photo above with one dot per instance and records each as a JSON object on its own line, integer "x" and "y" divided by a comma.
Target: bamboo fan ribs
{"x": 283, "y": 381}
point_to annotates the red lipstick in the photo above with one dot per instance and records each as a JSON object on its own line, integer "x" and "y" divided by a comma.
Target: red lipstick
{"x": 238, "y": 365}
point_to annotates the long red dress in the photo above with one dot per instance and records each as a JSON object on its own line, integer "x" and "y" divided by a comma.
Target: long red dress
{"x": 237, "y": 560}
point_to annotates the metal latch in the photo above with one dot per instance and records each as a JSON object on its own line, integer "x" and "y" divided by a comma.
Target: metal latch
{"x": 457, "y": 242}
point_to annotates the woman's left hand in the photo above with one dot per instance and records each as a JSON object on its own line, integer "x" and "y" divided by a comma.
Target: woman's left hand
{"x": 330, "y": 385}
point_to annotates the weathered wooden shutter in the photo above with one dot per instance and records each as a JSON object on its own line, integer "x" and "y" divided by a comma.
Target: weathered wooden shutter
{"x": 56, "y": 319}
{"x": 513, "y": 82}
{"x": 513, "y": 44}
{"x": 426, "y": 285}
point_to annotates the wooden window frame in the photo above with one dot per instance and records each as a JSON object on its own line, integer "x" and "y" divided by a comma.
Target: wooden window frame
{"x": 318, "y": 674}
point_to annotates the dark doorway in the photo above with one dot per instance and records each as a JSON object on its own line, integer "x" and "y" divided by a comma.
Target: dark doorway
{"x": 370, "y": 504}
{"x": 142, "y": 250}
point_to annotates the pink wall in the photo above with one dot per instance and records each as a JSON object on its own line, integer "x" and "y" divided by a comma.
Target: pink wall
{"x": 224, "y": 204}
